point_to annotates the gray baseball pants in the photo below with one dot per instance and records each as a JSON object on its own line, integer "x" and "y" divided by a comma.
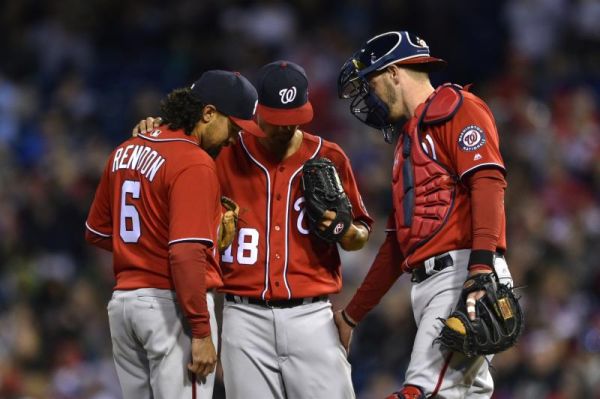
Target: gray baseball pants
{"x": 290, "y": 353}
{"x": 151, "y": 346}
{"x": 446, "y": 375}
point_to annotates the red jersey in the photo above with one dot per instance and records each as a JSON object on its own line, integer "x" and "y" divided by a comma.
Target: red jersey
{"x": 465, "y": 143}
{"x": 274, "y": 255}
{"x": 156, "y": 190}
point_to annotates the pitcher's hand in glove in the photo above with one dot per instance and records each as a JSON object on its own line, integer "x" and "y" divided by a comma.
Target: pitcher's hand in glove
{"x": 228, "y": 223}
{"x": 323, "y": 191}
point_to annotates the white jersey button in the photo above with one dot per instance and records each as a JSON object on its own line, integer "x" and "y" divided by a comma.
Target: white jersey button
{"x": 277, "y": 256}
{"x": 277, "y": 228}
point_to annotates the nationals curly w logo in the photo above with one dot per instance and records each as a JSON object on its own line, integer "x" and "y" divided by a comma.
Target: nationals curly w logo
{"x": 471, "y": 138}
{"x": 287, "y": 95}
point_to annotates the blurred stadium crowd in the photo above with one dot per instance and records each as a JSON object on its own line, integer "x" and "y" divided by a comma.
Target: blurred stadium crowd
{"x": 75, "y": 77}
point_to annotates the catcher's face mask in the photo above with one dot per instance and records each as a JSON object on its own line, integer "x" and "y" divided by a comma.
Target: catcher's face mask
{"x": 375, "y": 55}
{"x": 364, "y": 103}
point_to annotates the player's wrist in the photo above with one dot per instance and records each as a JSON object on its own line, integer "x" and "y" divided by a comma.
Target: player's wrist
{"x": 479, "y": 269}
{"x": 481, "y": 260}
{"x": 200, "y": 331}
{"x": 348, "y": 320}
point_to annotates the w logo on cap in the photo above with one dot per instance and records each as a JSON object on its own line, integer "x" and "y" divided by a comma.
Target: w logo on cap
{"x": 288, "y": 95}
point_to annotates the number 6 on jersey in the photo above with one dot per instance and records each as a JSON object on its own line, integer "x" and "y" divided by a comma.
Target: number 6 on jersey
{"x": 129, "y": 211}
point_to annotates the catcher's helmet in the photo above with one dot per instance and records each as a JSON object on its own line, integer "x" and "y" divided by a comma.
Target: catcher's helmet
{"x": 376, "y": 54}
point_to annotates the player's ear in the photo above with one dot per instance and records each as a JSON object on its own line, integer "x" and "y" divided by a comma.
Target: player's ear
{"x": 394, "y": 73}
{"x": 209, "y": 112}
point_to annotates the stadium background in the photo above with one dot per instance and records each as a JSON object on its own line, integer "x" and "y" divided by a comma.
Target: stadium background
{"x": 75, "y": 76}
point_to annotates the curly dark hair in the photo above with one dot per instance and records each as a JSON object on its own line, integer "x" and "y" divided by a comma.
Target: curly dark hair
{"x": 181, "y": 110}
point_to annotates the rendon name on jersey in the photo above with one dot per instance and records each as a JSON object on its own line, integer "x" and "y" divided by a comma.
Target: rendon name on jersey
{"x": 138, "y": 157}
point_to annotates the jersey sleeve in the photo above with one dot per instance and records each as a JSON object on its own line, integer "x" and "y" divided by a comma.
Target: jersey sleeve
{"x": 359, "y": 210}
{"x": 99, "y": 220}
{"x": 384, "y": 272}
{"x": 194, "y": 201}
{"x": 390, "y": 225}
{"x": 473, "y": 141}
{"x": 188, "y": 268}
{"x": 487, "y": 208}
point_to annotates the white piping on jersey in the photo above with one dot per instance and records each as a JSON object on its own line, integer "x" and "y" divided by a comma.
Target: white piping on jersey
{"x": 433, "y": 154}
{"x": 159, "y": 140}
{"x": 268, "y": 255}
{"x": 287, "y": 219}
{"x": 479, "y": 166}
{"x": 192, "y": 239}
{"x": 97, "y": 232}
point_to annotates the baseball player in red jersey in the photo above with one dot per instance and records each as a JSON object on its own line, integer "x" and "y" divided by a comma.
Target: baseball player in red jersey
{"x": 279, "y": 339}
{"x": 158, "y": 209}
{"x": 278, "y": 336}
{"x": 448, "y": 219}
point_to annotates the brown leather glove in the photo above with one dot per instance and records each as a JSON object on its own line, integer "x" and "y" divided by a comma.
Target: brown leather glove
{"x": 228, "y": 223}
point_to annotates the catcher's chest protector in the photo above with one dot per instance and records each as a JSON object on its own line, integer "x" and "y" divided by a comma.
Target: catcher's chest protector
{"x": 423, "y": 190}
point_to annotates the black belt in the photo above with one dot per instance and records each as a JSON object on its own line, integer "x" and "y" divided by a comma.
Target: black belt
{"x": 276, "y": 303}
{"x": 419, "y": 274}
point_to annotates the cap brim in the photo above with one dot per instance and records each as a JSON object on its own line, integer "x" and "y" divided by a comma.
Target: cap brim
{"x": 429, "y": 63}
{"x": 249, "y": 126}
{"x": 286, "y": 117}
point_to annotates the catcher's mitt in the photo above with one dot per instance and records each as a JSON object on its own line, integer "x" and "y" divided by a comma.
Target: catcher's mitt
{"x": 228, "y": 223}
{"x": 497, "y": 325}
{"x": 323, "y": 191}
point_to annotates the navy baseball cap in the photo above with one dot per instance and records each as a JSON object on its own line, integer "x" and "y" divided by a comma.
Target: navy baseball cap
{"x": 283, "y": 94}
{"x": 403, "y": 48}
{"x": 232, "y": 94}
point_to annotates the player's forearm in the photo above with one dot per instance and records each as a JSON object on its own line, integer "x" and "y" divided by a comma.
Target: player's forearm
{"x": 188, "y": 271}
{"x": 487, "y": 211}
{"x": 384, "y": 272}
{"x": 355, "y": 238}
{"x": 487, "y": 207}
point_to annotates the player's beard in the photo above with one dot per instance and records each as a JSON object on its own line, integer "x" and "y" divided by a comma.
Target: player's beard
{"x": 213, "y": 133}
{"x": 390, "y": 96}
{"x": 282, "y": 137}
{"x": 278, "y": 142}
{"x": 214, "y": 151}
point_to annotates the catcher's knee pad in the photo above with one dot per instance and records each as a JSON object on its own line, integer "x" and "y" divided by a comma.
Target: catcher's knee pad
{"x": 408, "y": 392}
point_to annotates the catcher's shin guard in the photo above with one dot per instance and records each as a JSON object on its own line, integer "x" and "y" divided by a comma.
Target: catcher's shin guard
{"x": 408, "y": 392}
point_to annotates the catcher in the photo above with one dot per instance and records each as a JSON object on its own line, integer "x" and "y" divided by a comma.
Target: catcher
{"x": 447, "y": 228}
